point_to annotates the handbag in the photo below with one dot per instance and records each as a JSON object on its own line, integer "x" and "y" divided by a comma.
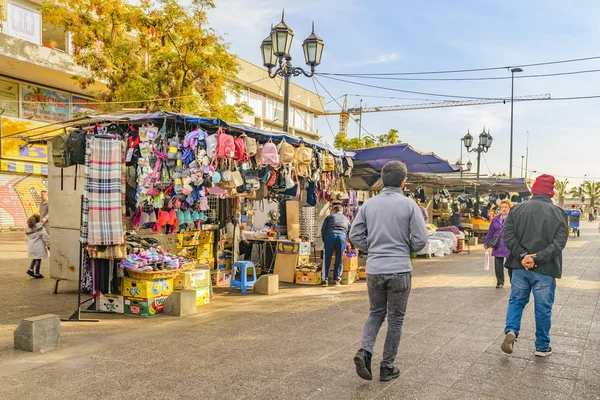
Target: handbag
{"x": 495, "y": 242}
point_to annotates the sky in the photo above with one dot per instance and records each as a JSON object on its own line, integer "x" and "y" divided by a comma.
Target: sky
{"x": 386, "y": 36}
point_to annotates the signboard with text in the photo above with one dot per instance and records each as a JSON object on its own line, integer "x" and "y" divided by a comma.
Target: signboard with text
{"x": 9, "y": 98}
{"x": 81, "y": 106}
{"x": 46, "y": 105}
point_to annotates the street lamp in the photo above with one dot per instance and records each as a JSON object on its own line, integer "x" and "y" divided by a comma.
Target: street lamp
{"x": 275, "y": 51}
{"x": 485, "y": 142}
{"x": 512, "y": 96}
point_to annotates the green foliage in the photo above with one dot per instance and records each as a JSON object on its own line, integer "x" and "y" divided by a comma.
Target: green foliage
{"x": 561, "y": 191}
{"x": 588, "y": 189}
{"x": 160, "y": 50}
{"x": 342, "y": 141}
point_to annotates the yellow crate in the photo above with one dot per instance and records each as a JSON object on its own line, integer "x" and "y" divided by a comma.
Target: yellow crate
{"x": 204, "y": 251}
{"x": 308, "y": 277}
{"x": 146, "y": 288}
{"x": 202, "y": 296}
{"x": 192, "y": 279}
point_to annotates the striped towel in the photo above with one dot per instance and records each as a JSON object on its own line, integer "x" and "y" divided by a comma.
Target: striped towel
{"x": 104, "y": 192}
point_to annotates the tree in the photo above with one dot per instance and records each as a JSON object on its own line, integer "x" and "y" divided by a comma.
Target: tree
{"x": 589, "y": 190}
{"x": 159, "y": 55}
{"x": 385, "y": 139}
{"x": 561, "y": 191}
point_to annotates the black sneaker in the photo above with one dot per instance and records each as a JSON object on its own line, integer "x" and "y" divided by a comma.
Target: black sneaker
{"x": 388, "y": 373}
{"x": 30, "y": 273}
{"x": 543, "y": 353}
{"x": 362, "y": 360}
{"x": 325, "y": 284}
{"x": 38, "y": 276}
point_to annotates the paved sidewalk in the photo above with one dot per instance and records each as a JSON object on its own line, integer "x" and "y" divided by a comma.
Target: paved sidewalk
{"x": 300, "y": 344}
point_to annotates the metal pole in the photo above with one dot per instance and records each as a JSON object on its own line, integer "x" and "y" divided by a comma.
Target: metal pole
{"x": 527, "y": 155}
{"x": 286, "y": 96}
{"x": 479, "y": 150}
{"x": 512, "y": 95}
{"x": 360, "y": 121}
{"x": 522, "y": 158}
{"x": 461, "y": 159}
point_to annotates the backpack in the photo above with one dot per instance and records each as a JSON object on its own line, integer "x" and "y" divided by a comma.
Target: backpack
{"x": 225, "y": 145}
{"x": 251, "y": 146}
{"x": 348, "y": 166}
{"x": 269, "y": 155}
{"x": 328, "y": 163}
{"x": 76, "y": 146}
{"x": 304, "y": 158}
{"x": 211, "y": 145}
{"x": 251, "y": 180}
{"x": 286, "y": 153}
{"x": 241, "y": 154}
{"x": 60, "y": 156}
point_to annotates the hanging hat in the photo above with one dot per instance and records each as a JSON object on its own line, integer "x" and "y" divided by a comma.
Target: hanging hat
{"x": 543, "y": 186}
{"x": 195, "y": 216}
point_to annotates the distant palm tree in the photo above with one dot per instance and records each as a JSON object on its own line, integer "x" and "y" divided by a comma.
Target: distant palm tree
{"x": 561, "y": 191}
{"x": 591, "y": 190}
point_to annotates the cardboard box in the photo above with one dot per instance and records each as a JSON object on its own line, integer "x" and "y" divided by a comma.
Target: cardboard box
{"x": 303, "y": 260}
{"x": 348, "y": 264}
{"x": 308, "y": 277}
{"x": 192, "y": 279}
{"x": 221, "y": 278}
{"x": 202, "y": 296}
{"x": 110, "y": 302}
{"x": 145, "y": 289}
{"x": 205, "y": 237}
{"x": 144, "y": 307}
{"x": 292, "y": 212}
{"x": 204, "y": 251}
{"x": 285, "y": 267}
{"x": 347, "y": 278}
{"x": 287, "y": 247}
{"x": 304, "y": 249}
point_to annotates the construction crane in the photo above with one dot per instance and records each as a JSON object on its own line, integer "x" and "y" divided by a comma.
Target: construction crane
{"x": 345, "y": 112}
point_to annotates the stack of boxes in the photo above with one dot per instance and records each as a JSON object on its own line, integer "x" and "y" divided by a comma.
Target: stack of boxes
{"x": 197, "y": 245}
{"x": 290, "y": 257}
{"x": 198, "y": 280}
{"x": 145, "y": 298}
{"x": 350, "y": 272}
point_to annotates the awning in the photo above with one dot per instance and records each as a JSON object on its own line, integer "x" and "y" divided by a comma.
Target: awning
{"x": 415, "y": 160}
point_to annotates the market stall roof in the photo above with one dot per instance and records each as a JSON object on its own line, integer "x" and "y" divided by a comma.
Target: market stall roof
{"x": 368, "y": 163}
{"x": 454, "y": 183}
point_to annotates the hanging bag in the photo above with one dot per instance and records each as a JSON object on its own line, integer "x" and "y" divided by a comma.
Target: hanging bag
{"x": 495, "y": 242}
{"x": 241, "y": 154}
{"x": 225, "y": 145}
{"x": 251, "y": 146}
{"x": 211, "y": 145}
{"x": 286, "y": 153}
{"x": 304, "y": 158}
{"x": 328, "y": 163}
{"x": 270, "y": 155}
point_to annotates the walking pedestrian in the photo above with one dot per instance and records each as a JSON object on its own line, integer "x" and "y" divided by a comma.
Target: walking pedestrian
{"x": 38, "y": 244}
{"x": 44, "y": 212}
{"x": 388, "y": 227}
{"x": 536, "y": 232}
{"x": 334, "y": 233}
{"x": 495, "y": 240}
{"x": 423, "y": 210}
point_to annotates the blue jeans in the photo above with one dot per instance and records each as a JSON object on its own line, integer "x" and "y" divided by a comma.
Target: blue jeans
{"x": 334, "y": 242}
{"x": 543, "y": 287}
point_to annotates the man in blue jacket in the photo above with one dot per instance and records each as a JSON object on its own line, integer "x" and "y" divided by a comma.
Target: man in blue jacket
{"x": 536, "y": 233}
{"x": 388, "y": 227}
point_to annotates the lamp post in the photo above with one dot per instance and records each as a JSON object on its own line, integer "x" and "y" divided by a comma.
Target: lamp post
{"x": 460, "y": 164}
{"x": 275, "y": 51}
{"x": 485, "y": 142}
{"x": 512, "y": 97}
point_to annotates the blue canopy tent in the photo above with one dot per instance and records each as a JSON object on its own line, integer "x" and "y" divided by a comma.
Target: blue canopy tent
{"x": 368, "y": 164}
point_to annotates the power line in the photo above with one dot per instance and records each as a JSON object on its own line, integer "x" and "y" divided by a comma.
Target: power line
{"x": 486, "y": 78}
{"x": 323, "y": 105}
{"x": 324, "y": 88}
{"x": 472, "y": 69}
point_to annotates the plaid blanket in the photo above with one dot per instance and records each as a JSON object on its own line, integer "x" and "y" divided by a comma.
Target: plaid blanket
{"x": 104, "y": 192}
{"x": 83, "y": 230}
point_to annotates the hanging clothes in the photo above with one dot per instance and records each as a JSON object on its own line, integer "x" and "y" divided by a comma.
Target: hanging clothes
{"x": 104, "y": 191}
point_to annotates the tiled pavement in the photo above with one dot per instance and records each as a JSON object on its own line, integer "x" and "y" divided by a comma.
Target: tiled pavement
{"x": 300, "y": 344}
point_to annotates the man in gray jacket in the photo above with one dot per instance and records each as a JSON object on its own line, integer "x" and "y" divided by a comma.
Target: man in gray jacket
{"x": 388, "y": 227}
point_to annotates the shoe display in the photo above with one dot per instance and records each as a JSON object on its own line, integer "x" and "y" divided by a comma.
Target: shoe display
{"x": 543, "y": 353}
{"x": 388, "y": 373}
{"x": 362, "y": 360}
{"x": 509, "y": 342}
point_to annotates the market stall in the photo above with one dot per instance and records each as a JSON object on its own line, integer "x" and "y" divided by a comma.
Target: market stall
{"x": 167, "y": 197}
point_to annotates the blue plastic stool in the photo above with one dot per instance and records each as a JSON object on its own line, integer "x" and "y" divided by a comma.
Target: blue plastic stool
{"x": 243, "y": 283}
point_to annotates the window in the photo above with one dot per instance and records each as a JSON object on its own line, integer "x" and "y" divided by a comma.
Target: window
{"x": 255, "y": 101}
{"x": 54, "y": 37}
{"x": 231, "y": 98}
{"x": 300, "y": 119}
{"x": 23, "y": 23}
{"x": 274, "y": 110}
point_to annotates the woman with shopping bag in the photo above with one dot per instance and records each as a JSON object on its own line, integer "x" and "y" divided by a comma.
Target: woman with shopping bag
{"x": 495, "y": 241}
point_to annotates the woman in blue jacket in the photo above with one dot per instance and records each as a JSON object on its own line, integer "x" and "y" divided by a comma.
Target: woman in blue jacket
{"x": 501, "y": 252}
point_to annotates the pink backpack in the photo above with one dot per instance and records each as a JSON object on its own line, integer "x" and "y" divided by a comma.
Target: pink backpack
{"x": 270, "y": 155}
{"x": 225, "y": 145}
{"x": 241, "y": 154}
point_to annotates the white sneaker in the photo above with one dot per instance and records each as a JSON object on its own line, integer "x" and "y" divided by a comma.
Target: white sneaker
{"x": 543, "y": 353}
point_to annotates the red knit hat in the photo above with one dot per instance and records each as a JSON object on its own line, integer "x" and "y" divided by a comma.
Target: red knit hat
{"x": 544, "y": 186}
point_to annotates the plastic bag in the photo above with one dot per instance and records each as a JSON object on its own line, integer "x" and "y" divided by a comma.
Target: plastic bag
{"x": 486, "y": 262}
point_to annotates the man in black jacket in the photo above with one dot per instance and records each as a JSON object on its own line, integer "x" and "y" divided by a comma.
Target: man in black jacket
{"x": 536, "y": 232}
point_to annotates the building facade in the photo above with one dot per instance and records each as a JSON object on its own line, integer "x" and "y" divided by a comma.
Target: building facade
{"x": 37, "y": 88}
